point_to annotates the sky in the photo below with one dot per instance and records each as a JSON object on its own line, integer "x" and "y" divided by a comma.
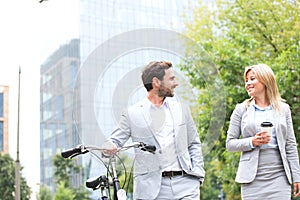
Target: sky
{"x": 30, "y": 32}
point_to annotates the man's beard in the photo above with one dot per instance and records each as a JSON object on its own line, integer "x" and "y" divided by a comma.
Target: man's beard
{"x": 165, "y": 92}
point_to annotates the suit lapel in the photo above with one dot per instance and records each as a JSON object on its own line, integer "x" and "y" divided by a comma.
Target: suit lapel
{"x": 177, "y": 115}
{"x": 280, "y": 139}
{"x": 172, "y": 109}
{"x": 144, "y": 107}
{"x": 249, "y": 121}
{"x": 175, "y": 112}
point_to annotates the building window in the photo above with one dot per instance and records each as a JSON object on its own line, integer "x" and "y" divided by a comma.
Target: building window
{"x": 59, "y": 107}
{"x": 73, "y": 73}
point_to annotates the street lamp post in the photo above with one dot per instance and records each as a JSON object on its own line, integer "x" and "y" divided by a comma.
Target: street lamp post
{"x": 17, "y": 172}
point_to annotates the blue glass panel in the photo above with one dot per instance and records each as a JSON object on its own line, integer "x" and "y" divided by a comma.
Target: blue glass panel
{"x": 73, "y": 72}
{"x": 59, "y": 107}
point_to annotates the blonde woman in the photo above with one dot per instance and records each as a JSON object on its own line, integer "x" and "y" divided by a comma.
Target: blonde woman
{"x": 269, "y": 162}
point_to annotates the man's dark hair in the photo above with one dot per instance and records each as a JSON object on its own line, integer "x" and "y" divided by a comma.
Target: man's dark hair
{"x": 154, "y": 69}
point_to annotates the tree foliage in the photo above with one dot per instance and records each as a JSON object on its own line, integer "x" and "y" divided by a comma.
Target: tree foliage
{"x": 64, "y": 170}
{"x": 125, "y": 172}
{"x": 7, "y": 180}
{"x": 44, "y": 194}
{"x": 64, "y": 193}
{"x": 235, "y": 34}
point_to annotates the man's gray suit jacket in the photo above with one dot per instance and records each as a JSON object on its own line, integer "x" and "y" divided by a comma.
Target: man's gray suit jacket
{"x": 135, "y": 123}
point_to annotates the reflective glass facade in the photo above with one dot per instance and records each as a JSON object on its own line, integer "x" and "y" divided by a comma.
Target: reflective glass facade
{"x": 117, "y": 38}
{"x": 57, "y": 76}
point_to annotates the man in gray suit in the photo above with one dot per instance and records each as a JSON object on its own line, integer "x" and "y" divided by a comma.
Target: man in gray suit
{"x": 176, "y": 170}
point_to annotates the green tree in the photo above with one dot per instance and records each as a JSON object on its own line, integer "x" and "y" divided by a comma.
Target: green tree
{"x": 44, "y": 194}
{"x": 234, "y": 34}
{"x": 125, "y": 172}
{"x": 64, "y": 170}
{"x": 81, "y": 193}
{"x": 7, "y": 180}
{"x": 63, "y": 193}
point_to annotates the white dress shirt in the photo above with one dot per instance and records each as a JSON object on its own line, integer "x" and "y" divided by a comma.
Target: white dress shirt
{"x": 162, "y": 123}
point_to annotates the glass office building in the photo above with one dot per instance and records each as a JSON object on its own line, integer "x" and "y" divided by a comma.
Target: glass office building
{"x": 56, "y": 107}
{"x": 117, "y": 38}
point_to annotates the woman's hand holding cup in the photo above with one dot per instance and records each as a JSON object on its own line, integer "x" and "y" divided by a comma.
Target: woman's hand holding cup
{"x": 264, "y": 136}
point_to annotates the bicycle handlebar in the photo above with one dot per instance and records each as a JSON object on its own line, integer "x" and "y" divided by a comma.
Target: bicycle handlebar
{"x": 140, "y": 145}
{"x": 95, "y": 183}
{"x": 149, "y": 148}
{"x": 81, "y": 149}
{"x": 70, "y": 153}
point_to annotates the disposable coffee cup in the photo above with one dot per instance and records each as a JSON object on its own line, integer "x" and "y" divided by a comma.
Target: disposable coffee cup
{"x": 267, "y": 126}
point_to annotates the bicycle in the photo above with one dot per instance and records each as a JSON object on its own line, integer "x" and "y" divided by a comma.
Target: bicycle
{"x": 104, "y": 182}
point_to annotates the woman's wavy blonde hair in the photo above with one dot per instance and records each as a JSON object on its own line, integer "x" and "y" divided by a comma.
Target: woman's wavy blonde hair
{"x": 266, "y": 76}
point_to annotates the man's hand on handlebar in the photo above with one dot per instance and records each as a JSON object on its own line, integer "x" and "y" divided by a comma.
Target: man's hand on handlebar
{"x": 109, "y": 148}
